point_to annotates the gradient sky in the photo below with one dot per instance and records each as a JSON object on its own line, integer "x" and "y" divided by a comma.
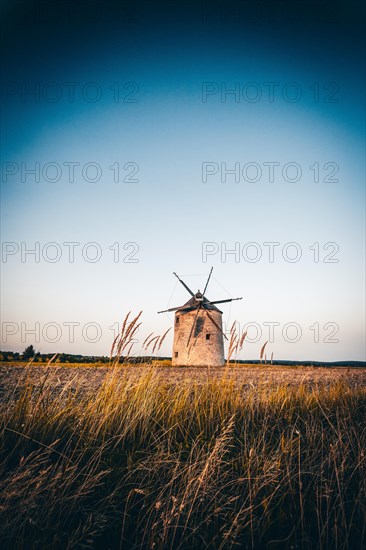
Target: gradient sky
{"x": 168, "y": 132}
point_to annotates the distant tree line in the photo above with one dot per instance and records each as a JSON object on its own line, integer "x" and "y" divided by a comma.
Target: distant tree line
{"x": 30, "y": 354}
{"x": 37, "y": 357}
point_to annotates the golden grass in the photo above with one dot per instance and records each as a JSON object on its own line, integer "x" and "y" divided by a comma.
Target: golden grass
{"x": 143, "y": 463}
{"x": 124, "y": 341}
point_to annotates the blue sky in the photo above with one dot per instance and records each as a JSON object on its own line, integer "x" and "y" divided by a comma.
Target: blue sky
{"x": 169, "y": 132}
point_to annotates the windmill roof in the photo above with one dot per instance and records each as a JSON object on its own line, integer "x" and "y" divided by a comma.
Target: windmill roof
{"x": 193, "y": 304}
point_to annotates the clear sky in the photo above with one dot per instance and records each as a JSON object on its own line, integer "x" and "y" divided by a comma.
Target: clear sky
{"x": 145, "y": 91}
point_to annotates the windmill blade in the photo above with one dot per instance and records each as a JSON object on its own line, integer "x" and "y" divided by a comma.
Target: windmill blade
{"x": 216, "y": 325}
{"x": 209, "y": 277}
{"x": 171, "y": 309}
{"x": 193, "y": 325}
{"x": 184, "y": 284}
{"x": 224, "y": 301}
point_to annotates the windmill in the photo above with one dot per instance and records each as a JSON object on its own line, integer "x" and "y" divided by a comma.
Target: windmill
{"x": 198, "y": 334}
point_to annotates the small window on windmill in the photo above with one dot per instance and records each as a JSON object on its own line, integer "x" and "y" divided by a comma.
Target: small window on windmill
{"x": 176, "y": 354}
{"x": 176, "y": 320}
{"x": 208, "y": 336}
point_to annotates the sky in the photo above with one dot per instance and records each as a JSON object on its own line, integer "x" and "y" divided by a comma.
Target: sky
{"x": 139, "y": 139}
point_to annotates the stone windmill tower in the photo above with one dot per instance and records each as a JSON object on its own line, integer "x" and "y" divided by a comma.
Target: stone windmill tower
{"x": 198, "y": 335}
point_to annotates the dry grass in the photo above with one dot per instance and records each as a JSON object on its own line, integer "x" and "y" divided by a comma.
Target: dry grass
{"x": 142, "y": 462}
{"x": 125, "y": 340}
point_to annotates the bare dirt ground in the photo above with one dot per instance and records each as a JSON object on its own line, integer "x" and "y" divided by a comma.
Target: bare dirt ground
{"x": 89, "y": 378}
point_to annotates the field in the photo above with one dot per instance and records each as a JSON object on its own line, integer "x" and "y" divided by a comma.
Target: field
{"x": 135, "y": 457}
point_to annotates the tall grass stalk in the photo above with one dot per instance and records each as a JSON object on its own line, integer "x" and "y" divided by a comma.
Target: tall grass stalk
{"x": 125, "y": 340}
